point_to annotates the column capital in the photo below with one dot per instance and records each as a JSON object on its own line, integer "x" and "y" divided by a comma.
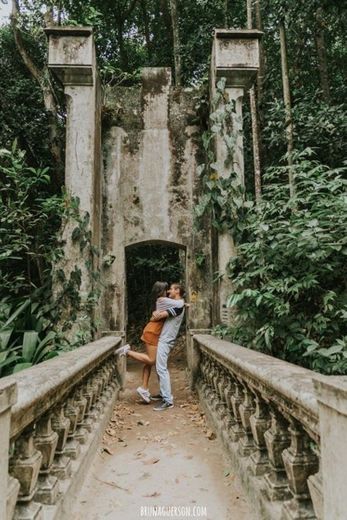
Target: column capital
{"x": 235, "y": 56}
{"x": 71, "y": 54}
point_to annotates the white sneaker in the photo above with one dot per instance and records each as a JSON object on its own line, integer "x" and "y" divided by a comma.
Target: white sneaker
{"x": 122, "y": 351}
{"x": 144, "y": 394}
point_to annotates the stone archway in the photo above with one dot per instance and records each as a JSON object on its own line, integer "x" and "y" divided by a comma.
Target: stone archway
{"x": 145, "y": 263}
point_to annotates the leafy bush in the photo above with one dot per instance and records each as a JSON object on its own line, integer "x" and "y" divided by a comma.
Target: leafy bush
{"x": 29, "y": 219}
{"x": 25, "y": 336}
{"x": 290, "y": 272}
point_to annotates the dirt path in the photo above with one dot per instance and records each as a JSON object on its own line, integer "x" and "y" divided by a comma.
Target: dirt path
{"x": 166, "y": 459}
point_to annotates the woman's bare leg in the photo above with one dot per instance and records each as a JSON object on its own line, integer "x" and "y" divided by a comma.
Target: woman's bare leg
{"x": 147, "y": 359}
{"x": 146, "y": 373}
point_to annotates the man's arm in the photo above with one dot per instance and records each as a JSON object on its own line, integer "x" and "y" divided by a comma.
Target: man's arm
{"x": 162, "y": 315}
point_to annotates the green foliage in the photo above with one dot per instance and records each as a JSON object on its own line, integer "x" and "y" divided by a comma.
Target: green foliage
{"x": 223, "y": 194}
{"x": 29, "y": 219}
{"x": 26, "y": 337}
{"x": 289, "y": 275}
{"x": 318, "y": 126}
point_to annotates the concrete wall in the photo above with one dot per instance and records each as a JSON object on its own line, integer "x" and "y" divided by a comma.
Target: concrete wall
{"x": 150, "y": 149}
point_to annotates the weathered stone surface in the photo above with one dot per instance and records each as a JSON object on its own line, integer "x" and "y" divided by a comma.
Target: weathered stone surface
{"x": 235, "y": 55}
{"x": 150, "y": 162}
{"x": 332, "y": 402}
{"x": 25, "y": 464}
{"x": 8, "y": 397}
{"x": 53, "y": 380}
{"x": 11, "y": 499}
{"x": 288, "y": 385}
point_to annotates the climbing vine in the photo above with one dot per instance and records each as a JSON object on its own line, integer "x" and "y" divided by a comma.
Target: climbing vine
{"x": 223, "y": 194}
{"x": 69, "y": 281}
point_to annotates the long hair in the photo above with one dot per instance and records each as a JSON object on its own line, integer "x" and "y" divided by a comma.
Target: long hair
{"x": 158, "y": 289}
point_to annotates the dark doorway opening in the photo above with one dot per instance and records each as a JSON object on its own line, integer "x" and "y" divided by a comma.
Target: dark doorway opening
{"x": 145, "y": 264}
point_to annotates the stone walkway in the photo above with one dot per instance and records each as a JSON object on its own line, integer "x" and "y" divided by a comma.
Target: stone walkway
{"x": 160, "y": 459}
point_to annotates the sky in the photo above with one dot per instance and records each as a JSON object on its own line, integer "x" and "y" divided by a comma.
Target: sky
{"x": 5, "y": 9}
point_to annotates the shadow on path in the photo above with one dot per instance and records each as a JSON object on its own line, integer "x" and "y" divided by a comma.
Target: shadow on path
{"x": 160, "y": 459}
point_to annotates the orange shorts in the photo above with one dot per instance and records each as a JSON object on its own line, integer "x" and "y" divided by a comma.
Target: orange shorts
{"x": 151, "y": 332}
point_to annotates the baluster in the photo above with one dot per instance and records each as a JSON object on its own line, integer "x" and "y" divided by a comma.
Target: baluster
{"x": 209, "y": 369}
{"x": 246, "y": 446}
{"x": 260, "y": 422}
{"x": 300, "y": 462}
{"x": 96, "y": 409}
{"x": 277, "y": 439}
{"x": 214, "y": 387}
{"x": 228, "y": 393}
{"x": 108, "y": 390}
{"x": 113, "y": 381}
{"x": 61, "y": 467}
{"x": 72, "y": 448}
{"x": 81, "y": 404}
{"x": 24, "y": 466}
{"x": 46, "y": 441}
{"x": 236, "y": 399}
{"x": 203, "y": 374}
{"x": 13, "y": 487}
{"x": 88, "y": 394}
{"x": 315, "y": 486}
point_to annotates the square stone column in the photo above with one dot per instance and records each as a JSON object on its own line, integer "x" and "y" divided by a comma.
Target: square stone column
{"x": 235, "y": 57}
{"x": 8, "y": 397}
{"x": 72, "y": 59}
{"x": 332, "y": 401}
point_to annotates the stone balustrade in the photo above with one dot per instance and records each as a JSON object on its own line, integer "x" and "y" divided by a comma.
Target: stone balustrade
{"x": 54, "y": 428}
{"x": 267, "y": 414}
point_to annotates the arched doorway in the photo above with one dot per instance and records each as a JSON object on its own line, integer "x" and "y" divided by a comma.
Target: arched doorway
{"x": 146, "y": 263}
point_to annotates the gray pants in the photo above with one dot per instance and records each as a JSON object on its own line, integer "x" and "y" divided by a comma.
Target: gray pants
{"x": 163, "y": 352}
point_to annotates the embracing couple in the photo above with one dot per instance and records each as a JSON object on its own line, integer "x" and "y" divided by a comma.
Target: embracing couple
{"x": 159, "y": 336}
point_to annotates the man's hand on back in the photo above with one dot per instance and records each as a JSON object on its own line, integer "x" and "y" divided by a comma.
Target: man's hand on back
{"x": 159, "y": 315}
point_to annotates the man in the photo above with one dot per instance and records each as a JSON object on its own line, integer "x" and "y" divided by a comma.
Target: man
{"x": 166, "y": 343}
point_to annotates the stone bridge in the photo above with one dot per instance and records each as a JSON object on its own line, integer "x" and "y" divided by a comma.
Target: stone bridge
{"x": 281, "y": 429}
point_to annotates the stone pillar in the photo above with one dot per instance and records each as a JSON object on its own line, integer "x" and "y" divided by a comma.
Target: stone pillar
{"x": 8, "y": 397}
{"x": 235, "y": 57}
{"x": 72, "y": 59}
{"x": 332, "y": 401}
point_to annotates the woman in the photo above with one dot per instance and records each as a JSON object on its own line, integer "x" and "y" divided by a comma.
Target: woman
{"x": 151, "y": 333}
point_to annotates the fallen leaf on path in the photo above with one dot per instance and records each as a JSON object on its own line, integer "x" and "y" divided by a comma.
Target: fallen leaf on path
{"x": 107, "y": 449}
{"x": 210, "y": 435}
{"x": 155, "y": 494}
{"x": 112, "y": 484}
{"x": 151, "y": 461}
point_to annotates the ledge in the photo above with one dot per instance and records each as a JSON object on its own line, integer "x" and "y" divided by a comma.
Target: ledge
{"x": 332, "y": 392}
{"x": 68, "y": 30}
{"x": 237, "y": 34}
{"x": 42, "y": 386}
{"x": 8, "y": 394}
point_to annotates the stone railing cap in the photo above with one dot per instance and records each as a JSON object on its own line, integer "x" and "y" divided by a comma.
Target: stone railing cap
{"x": 8, "y": 394}
{"x": 42, "y": 386}
{"x": 332, "y": 391}
{"x": 282, "y": 379}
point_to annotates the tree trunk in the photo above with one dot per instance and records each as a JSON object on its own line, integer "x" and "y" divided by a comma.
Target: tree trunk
{"x": 261, "y": 72}
{"x": 176, "y": 42}
{"x": 225, "y": 11}
{"x": 146, "y": 27}
{"x": 46, "y": 88}
{"x": 322, "y": 56}
{"x": 254, "y": 117}
{"x": 288, "y": 107}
